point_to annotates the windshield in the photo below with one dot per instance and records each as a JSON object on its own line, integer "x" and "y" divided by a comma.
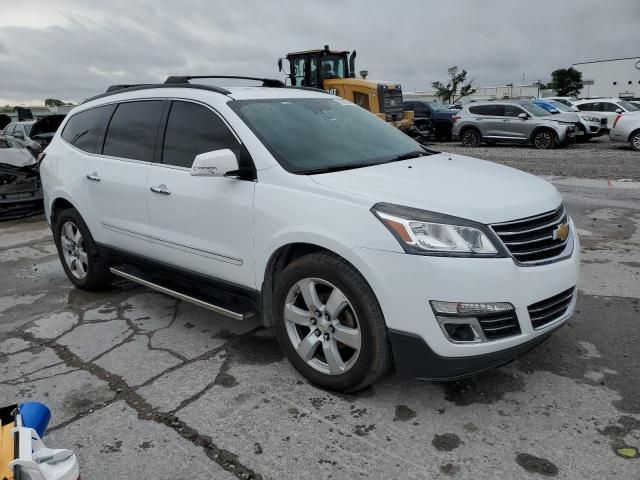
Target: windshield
{"x": 534, "y": 109}
{"x": 438, "y": 107}
{"x": 310, "y": 134}
{"x": 629, "y": 107}
{"x": 560, "y": 106}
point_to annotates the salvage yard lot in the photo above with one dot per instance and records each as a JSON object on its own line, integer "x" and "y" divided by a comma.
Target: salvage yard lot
{"x": 144, "y": 386}
{"x": 598, "y": 158}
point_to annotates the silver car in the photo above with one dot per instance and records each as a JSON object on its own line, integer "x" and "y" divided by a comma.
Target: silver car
{"x": 511, "y": 121}
{"x": 626, "y": 128}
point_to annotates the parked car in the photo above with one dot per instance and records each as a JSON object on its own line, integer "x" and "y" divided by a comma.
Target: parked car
{"x": 20, "y": 189}
{"x": 19, "y": 132}
{"x": 635, "y": 103}
{"x": 590, "y": 125}
{"x": 354, "y": 242}
{"x": 433, "y": 117}
{"x": 34, "y": 135}
{"x": 609, "y": 107}
{"x": 626, "y": 129}
{"x": 511, "y": 121}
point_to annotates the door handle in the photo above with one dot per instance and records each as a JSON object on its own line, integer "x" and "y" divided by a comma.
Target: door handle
{"x": 161, "y": 189}
{"x": 94, "y": 177}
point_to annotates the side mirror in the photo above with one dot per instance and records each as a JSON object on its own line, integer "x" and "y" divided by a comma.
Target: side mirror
{"x": 618, "y": 110}
{"x": 523, "y": 116}
{"x": 217, "y": 163}
{"x": 553, "y": 111}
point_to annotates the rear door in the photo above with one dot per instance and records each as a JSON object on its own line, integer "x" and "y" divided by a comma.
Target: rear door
{"x": 200, "y": 224}
{"x": 489, "y": 119}
{"x": 116, "y": 179}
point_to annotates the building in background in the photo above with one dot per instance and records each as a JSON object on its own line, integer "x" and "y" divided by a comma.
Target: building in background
{"x": 618, "y": 77}
{"x": 487, "y": 93}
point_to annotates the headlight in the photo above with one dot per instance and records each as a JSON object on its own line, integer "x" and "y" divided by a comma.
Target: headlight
{"x": 586, "y": 118}
{"x": 428, "y": 233}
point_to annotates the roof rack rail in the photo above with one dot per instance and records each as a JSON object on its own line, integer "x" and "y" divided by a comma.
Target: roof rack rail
{"x": 113, "y": 88}
{"x": 266, "y": 82}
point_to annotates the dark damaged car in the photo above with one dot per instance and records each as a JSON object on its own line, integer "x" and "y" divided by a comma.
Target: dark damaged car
{"x": 20, "y": 188}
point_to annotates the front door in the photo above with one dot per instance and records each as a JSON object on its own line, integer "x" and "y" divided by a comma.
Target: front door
{"x": 200, "y": 224}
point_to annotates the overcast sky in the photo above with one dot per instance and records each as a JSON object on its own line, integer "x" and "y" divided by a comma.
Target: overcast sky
{"x": 72, "y": 49}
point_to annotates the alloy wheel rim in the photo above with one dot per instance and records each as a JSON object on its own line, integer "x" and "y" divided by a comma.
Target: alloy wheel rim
{"x": 322, "y": 326}
{"x": 470, "y": 139}
{"x": 543, "y": 140}
{"x": 75, "y": 256}
{"x": 636, "y": 141}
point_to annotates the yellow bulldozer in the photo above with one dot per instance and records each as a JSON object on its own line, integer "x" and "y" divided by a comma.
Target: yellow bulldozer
{"x": 334, "y": 72}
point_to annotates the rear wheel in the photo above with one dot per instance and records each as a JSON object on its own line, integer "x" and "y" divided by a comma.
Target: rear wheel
{"x": 329, "y": 324}
{"x": 78, "y": 252}
{"x": 544, "y": 140}
{"x": 635, "y": 141}
{"x": 470, "y": 138}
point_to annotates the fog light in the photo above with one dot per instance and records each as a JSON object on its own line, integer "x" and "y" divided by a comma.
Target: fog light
{"x": 456, "y": 308}
{"x": 460, "y": 332}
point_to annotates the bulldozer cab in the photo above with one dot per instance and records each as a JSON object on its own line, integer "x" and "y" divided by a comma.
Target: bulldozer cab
{"x": 312, "y": 67}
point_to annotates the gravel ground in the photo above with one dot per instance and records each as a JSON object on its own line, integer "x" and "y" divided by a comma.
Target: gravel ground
{"x": 598, "y": 158}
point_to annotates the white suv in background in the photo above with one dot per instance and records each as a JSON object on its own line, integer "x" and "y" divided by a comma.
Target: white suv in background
{"x": 354, "y": 242}
{"x": 609, "y": 107}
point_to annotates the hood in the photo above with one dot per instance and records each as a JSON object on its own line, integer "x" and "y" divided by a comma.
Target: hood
{"x": 16, "y": 157}
{"x": 451, "y": 184}
{"x": 571, "y": 117}
{"x": 47, "y": 124}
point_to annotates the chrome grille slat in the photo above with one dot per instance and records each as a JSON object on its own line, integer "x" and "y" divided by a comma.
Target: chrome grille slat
{"x": 496, "y": 329}
{"x": 507, "y": 325}
{"x": 551, "y": 309}
{"x": 530, "y": 240}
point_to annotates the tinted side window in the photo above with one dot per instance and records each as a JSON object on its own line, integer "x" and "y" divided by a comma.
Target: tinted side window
{"x": 492, "y": 110}
{"x": 133, "y": 129}
{"x": 588, "y": 107}
{"x": 85, "y": 130}
{"x": 193, "y": 129}
{"x": 512, "y": 111}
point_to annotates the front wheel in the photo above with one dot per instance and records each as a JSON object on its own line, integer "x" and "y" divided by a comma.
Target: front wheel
{"x": 544, "y": 140}
{"x": 329, "y": 324}
{"x": 635, "y": 141}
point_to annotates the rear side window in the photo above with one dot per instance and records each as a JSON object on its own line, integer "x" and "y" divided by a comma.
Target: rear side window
{"x": 133, "y": 129}
{"x": 492, "y": 110}
{"x": 85, "y": 130}
{"x": 193, "y": 129}
{"x": 589, "y": 107}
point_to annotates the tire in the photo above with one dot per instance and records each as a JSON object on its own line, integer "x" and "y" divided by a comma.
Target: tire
{"x": 544, "y": 140}
{"x": 312, "y": 341}
{"x": 634, "y": 141}
{"x": 470, "y": 138}
{"x": 78, "y": 252}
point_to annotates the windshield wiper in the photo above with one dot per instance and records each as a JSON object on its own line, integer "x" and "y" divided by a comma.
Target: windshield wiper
{"x": 409, "y": 155}
{"x": 336, "y": 168}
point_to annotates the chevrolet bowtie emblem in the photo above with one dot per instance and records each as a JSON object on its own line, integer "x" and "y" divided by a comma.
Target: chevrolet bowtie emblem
{"x": 562, "y": 232}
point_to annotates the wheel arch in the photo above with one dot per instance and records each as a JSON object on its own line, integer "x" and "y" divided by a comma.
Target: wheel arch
{"x": 536, "y": 130}
{"x": 278, "y": 261}
{"x": 633, "y": 134}
{"x": 466, "y": 128}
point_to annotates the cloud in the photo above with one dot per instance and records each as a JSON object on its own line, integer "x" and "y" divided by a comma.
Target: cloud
{"x": 73, "y": 49}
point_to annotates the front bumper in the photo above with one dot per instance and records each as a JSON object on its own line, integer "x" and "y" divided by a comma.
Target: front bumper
{"x": 404, "y": 284}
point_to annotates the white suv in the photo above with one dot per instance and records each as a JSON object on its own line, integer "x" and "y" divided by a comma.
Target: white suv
{"x": 354, "y": 242}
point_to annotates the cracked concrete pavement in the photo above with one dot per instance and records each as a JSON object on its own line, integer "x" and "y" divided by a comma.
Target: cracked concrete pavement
{"x": 144, "y": 386}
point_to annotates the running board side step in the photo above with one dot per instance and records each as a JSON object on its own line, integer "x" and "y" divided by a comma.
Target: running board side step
{"x": 180, "y": 294}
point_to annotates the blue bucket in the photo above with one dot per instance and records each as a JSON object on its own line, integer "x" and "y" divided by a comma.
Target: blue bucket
{"x": 35, "y": 415}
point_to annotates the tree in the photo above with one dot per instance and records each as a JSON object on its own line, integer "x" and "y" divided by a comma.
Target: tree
{"x": 567, "y": 82}
{"x": 456, "y": 87}
{"x": 53, "y": 102}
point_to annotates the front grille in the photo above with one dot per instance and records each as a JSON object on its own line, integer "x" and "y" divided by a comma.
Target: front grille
{"x": 391, "y": 101}
{"x": 533, "y": 239}
{"x": 499, "y": 325}
{"x": 547, "y": 311}
{"x": 603, "y": 121}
